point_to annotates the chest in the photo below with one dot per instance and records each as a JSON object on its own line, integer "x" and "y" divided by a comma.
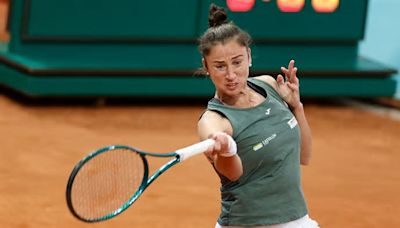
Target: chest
{"x": 267, "y": 136}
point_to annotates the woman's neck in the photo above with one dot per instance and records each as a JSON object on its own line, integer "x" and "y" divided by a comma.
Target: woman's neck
{"x": 246, "y": 98}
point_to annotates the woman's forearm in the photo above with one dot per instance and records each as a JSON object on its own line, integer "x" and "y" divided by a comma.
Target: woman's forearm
{"x": 306, "y": 137}
{"x": 230, "y": 167}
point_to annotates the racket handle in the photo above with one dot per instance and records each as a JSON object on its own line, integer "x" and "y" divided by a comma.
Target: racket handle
{"x": 194, "y": 149}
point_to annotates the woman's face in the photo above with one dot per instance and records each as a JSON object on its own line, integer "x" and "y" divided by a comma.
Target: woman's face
{"x": 228, "y": 67}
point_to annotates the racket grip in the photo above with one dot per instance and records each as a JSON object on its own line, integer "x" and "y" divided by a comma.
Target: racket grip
{"x": 194, "y": 149}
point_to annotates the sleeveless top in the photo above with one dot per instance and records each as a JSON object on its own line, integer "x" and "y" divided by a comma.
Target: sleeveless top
{"x": 268, "y": 139}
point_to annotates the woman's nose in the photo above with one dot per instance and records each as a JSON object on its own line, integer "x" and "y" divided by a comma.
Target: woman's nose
{"x": 230, "y": 74}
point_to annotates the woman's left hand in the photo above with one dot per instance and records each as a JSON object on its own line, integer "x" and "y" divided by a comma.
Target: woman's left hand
{"x": 288, "y": 88}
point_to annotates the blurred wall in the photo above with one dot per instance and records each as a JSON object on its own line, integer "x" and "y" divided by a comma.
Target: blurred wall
{"x": 382, "y": 35}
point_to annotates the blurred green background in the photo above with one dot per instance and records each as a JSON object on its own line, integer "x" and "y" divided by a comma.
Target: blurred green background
{"x": 132, "y": 49}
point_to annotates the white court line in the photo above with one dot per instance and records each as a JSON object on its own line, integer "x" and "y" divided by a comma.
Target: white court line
{"x": 388, "y": 112}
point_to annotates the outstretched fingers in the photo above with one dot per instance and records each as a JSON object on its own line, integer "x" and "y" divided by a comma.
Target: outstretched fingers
{"x": 290, "y": 71}
{"x": 294, "y": 78}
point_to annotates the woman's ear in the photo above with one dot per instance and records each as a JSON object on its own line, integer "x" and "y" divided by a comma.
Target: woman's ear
{"x": 249, "y": 56}
{"x": 203, "y": 61}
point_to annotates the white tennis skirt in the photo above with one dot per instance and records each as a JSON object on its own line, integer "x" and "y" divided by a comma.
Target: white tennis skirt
{"x": 304, "y": 222}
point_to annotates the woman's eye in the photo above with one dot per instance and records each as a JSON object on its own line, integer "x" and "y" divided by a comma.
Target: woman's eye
{"x": 237, "y": 62}
{"x": 220, "y": 67}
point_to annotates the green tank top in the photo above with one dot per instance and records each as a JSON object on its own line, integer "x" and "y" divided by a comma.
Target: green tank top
{"x": 268, "y": 140}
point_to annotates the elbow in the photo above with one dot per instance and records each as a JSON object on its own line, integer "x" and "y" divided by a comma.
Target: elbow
{"x": 305, "y": 161}
{"x": 306, "y": 154}
{"x": 235, "y": 171}
{"x": 234, "y": 176}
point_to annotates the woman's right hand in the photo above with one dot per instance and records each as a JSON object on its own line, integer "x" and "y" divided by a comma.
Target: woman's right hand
{"x": 224, "y": 145}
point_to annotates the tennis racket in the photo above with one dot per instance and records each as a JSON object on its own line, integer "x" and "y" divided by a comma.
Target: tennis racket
{"x": 109, "y": 180}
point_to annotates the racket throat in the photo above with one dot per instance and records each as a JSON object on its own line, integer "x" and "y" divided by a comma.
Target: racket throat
{"x": 162, "y": 169}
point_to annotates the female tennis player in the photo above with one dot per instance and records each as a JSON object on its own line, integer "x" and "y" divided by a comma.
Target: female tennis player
{"x": 261, "y": 133}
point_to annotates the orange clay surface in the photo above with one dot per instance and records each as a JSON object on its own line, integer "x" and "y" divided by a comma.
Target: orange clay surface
{"x": 4, "y": 36}
{"x": 353, "y": 181}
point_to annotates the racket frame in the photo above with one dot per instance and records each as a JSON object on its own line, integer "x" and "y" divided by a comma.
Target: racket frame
{"x": 146, "y": 180}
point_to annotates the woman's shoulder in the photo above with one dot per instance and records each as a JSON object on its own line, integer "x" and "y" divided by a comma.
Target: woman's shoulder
{"x": 268, "y": 80}
{"x": 272, "y": 85}
{"x": 211, "y": 115}
{"x": 214, "y": 121}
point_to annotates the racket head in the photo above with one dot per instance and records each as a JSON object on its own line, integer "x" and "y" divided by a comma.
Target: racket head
{"x": 106, "y": 182}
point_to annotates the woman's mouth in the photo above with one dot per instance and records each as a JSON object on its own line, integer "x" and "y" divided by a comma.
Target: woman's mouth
{"x": 231, "y": 86}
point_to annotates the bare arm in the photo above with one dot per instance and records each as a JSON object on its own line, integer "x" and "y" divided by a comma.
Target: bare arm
{"x": 289, "y": 91}
{"x": 306, "y": 137}
{"x": 212, "y": 125}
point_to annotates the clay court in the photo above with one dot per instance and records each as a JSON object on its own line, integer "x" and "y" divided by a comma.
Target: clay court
{"x": 353, "y": 180}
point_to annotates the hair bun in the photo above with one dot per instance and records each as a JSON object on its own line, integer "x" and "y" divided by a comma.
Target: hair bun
{"x": 217, "y": 16}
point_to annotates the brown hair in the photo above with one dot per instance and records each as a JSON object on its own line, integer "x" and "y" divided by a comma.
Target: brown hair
{"x": 220, "y": 31}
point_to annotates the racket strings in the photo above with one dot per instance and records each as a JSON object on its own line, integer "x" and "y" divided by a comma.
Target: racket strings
{"x": 106, "y": 183}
